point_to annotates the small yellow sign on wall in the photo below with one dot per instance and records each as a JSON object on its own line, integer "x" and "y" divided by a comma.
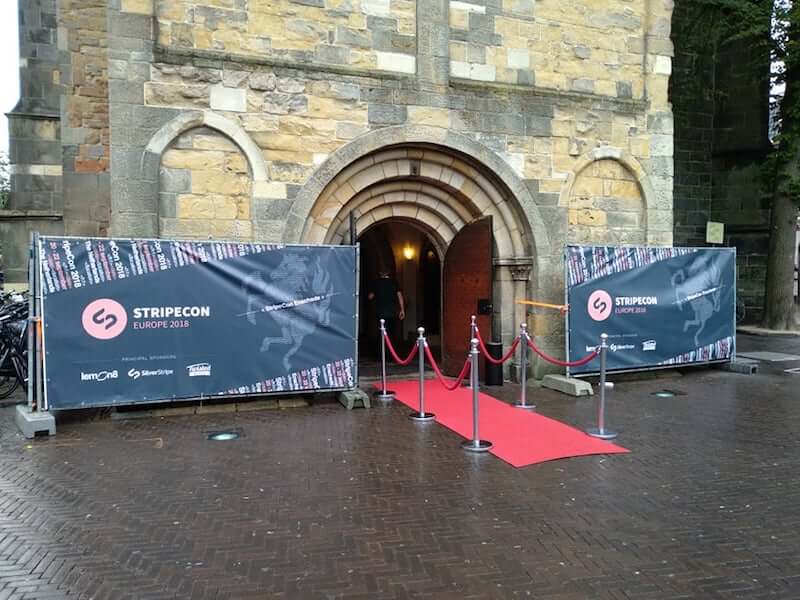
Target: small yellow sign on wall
{"x": 715, "y": 232}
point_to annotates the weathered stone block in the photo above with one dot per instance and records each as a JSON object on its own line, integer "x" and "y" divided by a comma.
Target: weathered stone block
{"x": 396, "y": 62}
{"x": 387, "y": 114}
{"x": 228, "y": 99}
{"x": 624, "y": 89}
{"x": 283, "y": 104}
{"x": 175, "y": 180}
{"x": 582, "y": 85}
{"x": 339, "y": 55}
{"x": 345, "y": 36}
{"x": 263, "y": 81}
{"x": 518, "y": 58}
{"x": 349, "y": 131}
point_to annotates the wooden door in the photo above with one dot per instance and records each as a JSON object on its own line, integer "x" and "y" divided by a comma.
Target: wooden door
{"x": 467, "y": 291}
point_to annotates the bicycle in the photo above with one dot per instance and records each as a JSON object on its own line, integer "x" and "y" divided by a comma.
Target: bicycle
{"x": 13, "y": 349}
{"x": 740, "y": 311}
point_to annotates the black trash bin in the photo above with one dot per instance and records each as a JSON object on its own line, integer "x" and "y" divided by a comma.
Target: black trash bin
{"x": 493, "y": 374}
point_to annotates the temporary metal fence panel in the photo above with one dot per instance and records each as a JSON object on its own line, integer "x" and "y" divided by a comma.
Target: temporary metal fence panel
{"x": 660, "y": 307}
{"x": 133, "y": 321}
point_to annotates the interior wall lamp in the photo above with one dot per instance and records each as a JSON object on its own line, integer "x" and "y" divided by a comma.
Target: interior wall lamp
{"x": 408, "y": 252}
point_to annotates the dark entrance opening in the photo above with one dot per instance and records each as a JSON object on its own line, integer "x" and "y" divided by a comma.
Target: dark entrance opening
{"x": 413, "y": 262}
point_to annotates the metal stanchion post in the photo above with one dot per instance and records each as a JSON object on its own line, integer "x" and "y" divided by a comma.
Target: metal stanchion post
{"x": 421, "y": 415}
{"x": 472, "y": 335}
{"x": 476, "y": 444}
{"x": 523, "y": 365}
{"x": 600, "y": 431}
{"x": 383, "y": 393}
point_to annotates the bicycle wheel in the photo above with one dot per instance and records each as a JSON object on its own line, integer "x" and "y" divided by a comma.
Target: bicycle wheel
{"x": 8, "y": 383}
{"x": 740, "y": 311}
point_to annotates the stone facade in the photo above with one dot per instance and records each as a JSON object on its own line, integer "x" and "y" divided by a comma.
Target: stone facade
{"x": 204, "y": 188}
{"x": 719, "y": 98}
{"x": 273, "y": 120}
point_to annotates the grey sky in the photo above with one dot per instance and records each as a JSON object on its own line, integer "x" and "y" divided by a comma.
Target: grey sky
{"x": 9, "y": 65}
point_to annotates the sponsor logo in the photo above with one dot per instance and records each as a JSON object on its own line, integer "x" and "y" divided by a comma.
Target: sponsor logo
{"x": 199, "y": 370}
{"x": 621, "y": 347}
{"x": 136, "y": 373}
{"x": 599, "y": 305}
{"x": 104, "y": 319}
{"x": 100, "y": 375}
{"x": 648, "y": 345}
{"x": 612, "y": 347}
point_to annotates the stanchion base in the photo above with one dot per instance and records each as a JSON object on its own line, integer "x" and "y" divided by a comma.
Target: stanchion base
{"x": 526, "y": 405}
{"x": 418, "y": 416}
{"x": 605, "y": 434}
{"x": 387, "y": 397}
{"x": 477, "y": 446}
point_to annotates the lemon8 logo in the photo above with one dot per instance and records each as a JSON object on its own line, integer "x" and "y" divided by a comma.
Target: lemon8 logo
{"x": 104, "y": 319}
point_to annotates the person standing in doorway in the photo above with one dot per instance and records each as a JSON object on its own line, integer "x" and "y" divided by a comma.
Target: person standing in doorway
{"x": 389, "y": 303}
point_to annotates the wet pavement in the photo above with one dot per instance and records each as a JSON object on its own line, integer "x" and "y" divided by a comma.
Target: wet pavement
{"x": 320, "y": 502}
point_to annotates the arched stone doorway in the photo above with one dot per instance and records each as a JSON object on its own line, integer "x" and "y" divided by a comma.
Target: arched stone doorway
{"x": 411, "y": 257}
{"x": 442, "y": 192}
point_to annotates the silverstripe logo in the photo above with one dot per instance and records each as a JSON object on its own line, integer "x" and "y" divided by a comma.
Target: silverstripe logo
{"x": 136, "y": 373}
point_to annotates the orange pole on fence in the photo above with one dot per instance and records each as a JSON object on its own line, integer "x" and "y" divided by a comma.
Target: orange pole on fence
{"x": 562, "y": 307}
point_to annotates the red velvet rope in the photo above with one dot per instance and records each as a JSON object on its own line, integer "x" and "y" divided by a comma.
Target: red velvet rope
{"x": 491, "y": 359}
{"x": 396, "y": 358}
{"x": 562, "y": 363}
{"x": 439, "y": 374}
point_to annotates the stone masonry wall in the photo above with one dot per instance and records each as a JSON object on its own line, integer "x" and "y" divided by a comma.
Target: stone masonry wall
{"x": 590, "y": 47}
{"x": 373, "y": 34}
{"x": 292, "y": 111}
{"x": 721, "y": 123}
{"x": 205, "y": 188}
{"x": 298, "y": 120}
{"x": 36, "y": 202}
{"x": 83, "y": 42}
{"x": 606, "y": 206}
{"x": 35, "y": 148}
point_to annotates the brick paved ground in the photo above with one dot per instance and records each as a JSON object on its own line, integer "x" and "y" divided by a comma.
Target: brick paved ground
{"x": 319, "y": 502}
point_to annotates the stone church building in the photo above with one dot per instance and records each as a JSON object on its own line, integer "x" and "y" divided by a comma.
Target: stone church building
{"x": 468, "y": 141}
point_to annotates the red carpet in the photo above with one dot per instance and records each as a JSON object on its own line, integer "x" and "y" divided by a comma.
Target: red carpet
{"x": 520, "y": 437}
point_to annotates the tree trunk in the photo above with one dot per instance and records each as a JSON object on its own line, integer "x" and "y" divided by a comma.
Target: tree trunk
{"x": 779, "y": 307}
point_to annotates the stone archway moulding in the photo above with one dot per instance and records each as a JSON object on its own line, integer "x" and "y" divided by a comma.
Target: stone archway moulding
{"x": 205, "y": 118}
{"x": 626, "y": 159}
{"x": 444, "y": 139}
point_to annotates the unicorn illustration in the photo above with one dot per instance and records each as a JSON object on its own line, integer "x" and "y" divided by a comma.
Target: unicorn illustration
{"x": 298, "y": 301}
{"x": 701, "y": 289}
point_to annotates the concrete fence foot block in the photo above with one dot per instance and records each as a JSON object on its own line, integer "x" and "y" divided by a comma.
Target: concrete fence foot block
{"x": 746, "y": 366}
{"x": 31, "y": 423}
{"x": 568, "y": 385}
{"x": 353, "y": 398}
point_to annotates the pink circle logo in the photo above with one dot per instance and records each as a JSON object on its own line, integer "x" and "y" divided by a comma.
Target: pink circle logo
{"x": 104, "y": 319}
{"x": 599, "y": 305}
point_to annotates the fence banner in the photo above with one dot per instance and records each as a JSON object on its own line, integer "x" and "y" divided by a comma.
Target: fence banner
{"x": 659, "y": 306}
{"x": 129, "y": 321}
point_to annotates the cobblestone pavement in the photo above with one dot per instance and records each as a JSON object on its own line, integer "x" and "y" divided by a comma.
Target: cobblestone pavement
{"x": 320, "y": 502}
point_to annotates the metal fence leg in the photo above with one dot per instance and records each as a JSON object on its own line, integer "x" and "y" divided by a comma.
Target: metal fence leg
{"x": 523, "y": 363}
{"x": 384, "y": 394}
{"x": 472, "y": 335}
{"x": 476, "y": 444}
{"x": 600, "y": 431}
{"x": 421, "y": 415}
